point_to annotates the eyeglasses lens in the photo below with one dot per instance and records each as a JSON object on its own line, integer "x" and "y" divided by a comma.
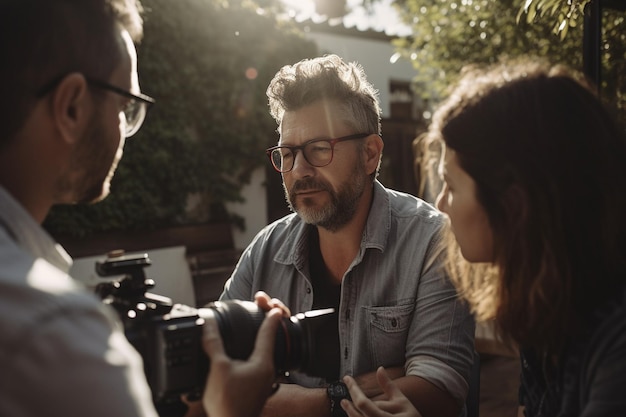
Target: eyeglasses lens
{"x": 135, "y": 112}
{"x": 318, "y": 154}
{"x": 282, "y": 158}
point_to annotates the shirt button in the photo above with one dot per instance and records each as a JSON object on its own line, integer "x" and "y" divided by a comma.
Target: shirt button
{"x": 394, "y": 323}
{"x": 308, "y": 290}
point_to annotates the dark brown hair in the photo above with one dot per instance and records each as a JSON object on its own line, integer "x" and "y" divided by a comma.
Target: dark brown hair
{"x": 549, "y": 164}
{"x": 43, "y": 40}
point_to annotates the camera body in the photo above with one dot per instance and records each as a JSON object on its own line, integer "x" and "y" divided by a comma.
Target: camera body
{"x": 169, "y": 336}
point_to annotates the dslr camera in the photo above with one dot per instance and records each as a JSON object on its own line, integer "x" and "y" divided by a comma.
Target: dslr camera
{"x": 169, "y": 336}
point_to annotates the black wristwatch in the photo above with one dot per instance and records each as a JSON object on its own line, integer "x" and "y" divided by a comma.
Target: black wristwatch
{"x": 336, "y": 392}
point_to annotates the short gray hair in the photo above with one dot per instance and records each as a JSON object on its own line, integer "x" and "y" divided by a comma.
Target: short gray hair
{"x": 326, "y": 78}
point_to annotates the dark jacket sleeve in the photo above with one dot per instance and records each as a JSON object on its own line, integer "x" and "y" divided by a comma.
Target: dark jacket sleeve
{"x": 603, "y": 382}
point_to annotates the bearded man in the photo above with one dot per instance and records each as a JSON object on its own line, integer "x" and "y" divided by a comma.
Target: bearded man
{"x": 372, "y": 254}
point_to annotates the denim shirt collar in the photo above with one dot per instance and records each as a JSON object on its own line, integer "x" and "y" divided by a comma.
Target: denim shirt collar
{"x": 295, "y": 248}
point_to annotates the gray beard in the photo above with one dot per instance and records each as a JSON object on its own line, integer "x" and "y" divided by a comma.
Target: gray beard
{"x": 342, "y": 206}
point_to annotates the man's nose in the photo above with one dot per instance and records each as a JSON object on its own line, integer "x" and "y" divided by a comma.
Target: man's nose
{"x": 300, "y": 164}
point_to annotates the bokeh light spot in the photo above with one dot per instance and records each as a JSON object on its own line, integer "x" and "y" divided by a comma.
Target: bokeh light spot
{"x": 251, "y": 73}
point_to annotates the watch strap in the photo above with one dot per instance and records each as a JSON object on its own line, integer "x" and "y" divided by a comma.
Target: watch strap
{"x": 336, "y": 392}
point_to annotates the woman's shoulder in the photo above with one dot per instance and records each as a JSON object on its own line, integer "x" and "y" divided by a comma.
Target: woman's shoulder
{"x": 603, "y": 367}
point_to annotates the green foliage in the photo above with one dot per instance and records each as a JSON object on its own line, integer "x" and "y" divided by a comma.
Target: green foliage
{"x": 207, "y": 63}
{"x": 563, "y": 13}
{"x": 613, "y": 61}
{"x": 449, "y": 34}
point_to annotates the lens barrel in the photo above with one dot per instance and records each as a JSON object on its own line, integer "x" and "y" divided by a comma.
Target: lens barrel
{"x": 297, "y": 338}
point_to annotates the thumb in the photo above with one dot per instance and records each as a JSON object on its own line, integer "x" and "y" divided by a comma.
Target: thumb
{"x": 212, "y": 340}
{"x": 388, "y": 386}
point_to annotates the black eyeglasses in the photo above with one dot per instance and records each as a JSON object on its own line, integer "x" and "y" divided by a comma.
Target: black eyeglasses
{"x": 134, "y": 111}
{"x": 317, "y": 152}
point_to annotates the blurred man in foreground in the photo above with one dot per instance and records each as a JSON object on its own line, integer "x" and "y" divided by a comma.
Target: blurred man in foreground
{"x": 70, "y": 98}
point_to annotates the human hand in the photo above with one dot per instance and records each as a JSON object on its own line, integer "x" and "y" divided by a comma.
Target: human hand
{"x": 194, "y": 407}
{"x": 368, "y": 382}
{"x": 266, "y": 303}
{"x": 238, "y": 388}
{"x": 396, "y": 403}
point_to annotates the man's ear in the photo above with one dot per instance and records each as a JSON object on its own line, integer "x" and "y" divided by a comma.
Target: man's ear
{"x": 373, "y": 150}
{"x": 70, "y": 107}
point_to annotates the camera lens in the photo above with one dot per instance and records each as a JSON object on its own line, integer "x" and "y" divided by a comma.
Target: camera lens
{"x": 298, "y": 339}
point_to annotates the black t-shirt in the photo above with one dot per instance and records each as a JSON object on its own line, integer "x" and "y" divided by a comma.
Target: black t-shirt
{"x": 326, "y": 295}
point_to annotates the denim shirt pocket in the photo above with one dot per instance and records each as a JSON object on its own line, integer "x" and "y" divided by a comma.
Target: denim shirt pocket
{"x": 388, "y": 328}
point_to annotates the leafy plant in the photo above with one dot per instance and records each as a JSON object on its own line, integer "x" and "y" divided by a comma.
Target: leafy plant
{"x": 564, "y": 13}
{"x": 448, "y": 34}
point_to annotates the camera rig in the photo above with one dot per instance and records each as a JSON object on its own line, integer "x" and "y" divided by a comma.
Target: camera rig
{"x": 167, "y": 336}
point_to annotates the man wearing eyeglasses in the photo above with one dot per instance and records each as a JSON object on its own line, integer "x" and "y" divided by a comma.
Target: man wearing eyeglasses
{"x": 70, "y": 98}
{"x": 372, "y": 254}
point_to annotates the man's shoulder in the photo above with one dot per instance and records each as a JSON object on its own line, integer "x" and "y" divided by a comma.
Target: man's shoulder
{"x": 404, "y": 205}
{"x": 33, "y": 291}
{"x": 21, "y": 269}
{"x": 402, "y": 220}
{"x": 279, "y": 230}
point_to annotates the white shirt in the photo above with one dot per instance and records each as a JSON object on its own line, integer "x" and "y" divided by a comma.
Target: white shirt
{"x": 62, "y": 352}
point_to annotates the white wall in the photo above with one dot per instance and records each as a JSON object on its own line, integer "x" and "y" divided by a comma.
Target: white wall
{"x": 373, "y": 55}
{"x": 253, "y": 209}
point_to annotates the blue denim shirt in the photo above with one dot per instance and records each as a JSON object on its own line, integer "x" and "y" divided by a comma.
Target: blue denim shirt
{"x": 397, "y": 307}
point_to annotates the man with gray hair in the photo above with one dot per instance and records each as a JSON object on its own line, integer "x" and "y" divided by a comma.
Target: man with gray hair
{"x": 371, "y": 253}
